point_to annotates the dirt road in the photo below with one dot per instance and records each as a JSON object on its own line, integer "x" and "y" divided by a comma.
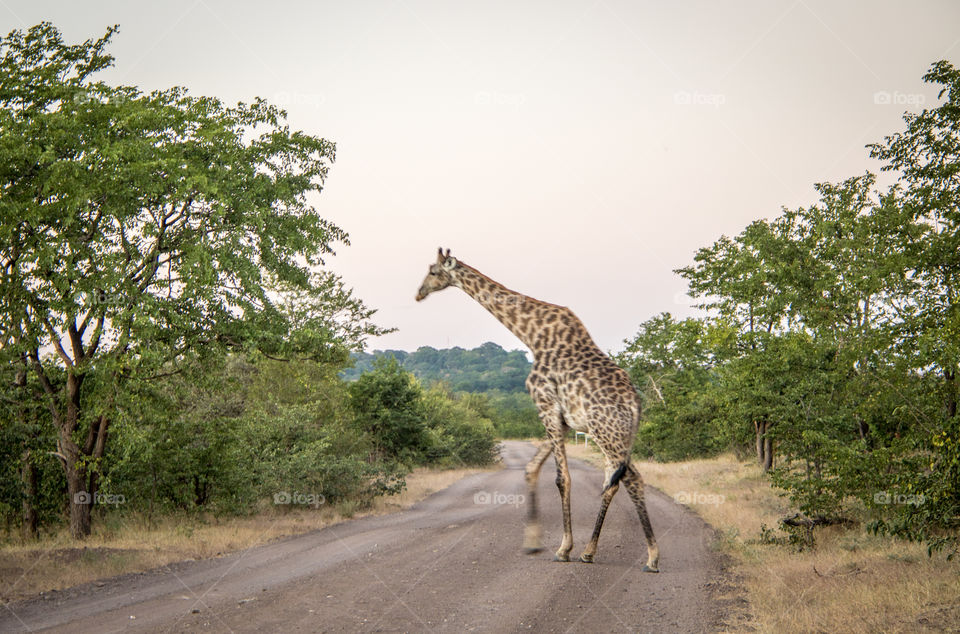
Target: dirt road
{"x": 450, "y": 563}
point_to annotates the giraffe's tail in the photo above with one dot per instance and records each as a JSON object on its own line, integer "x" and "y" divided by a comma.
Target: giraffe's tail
{"x": 617, "y": 475}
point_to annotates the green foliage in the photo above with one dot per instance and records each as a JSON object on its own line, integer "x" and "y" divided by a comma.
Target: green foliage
{"x": 484, "y": 369}
{"x": 161, "y": 218}
{"x": 514, "y": 414}
{"x": 139, "y": 228}
{"x": 489, "y": 379}
{"x": 177, "y": 442}
{"x": 460, "y": 434}
{"x": 832, "y": 337}
{"x": 671, "y": 362}
{"x": 386, "y": 403}
{"x": 224, "y": 434}
{"x": 415, "y": 426}
{"x": 25, "y": 440}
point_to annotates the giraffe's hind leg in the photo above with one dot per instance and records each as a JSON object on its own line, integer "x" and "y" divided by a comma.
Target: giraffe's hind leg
{"x": 634, "y": 484}
{"x": 531, "y": 534}
{"x": 611, "y": 484}
{"x": 556, "y": 428}
{"x": 563, "y": 484}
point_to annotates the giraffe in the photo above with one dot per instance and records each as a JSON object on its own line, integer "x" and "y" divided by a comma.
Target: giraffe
{"x": 574, "y": 385}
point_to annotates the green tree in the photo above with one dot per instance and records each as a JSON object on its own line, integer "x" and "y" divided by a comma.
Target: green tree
{"x": 302, "y": 436}
{"x": 673, "y": 364}
{"x": 136, "y": 227}
{"x": 926, "y": 158}
{"x": 483, "y": 369}
{"x": 386, "y": 403}
{"x": 461, "y": 434}
{"x": 832, "y": 331}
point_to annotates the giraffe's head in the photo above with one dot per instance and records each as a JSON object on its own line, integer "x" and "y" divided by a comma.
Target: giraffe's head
{"x": 440, "y": 275}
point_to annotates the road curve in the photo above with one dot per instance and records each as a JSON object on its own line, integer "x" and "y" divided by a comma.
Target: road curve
{"x": 452, "y": 563}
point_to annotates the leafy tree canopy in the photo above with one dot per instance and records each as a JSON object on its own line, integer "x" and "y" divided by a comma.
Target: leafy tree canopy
{"x": 135, "y": 227}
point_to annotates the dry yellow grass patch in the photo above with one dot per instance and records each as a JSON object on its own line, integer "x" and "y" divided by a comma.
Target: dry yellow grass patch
{"x": 133, "y": 544}
{"x": 850, "y": 582}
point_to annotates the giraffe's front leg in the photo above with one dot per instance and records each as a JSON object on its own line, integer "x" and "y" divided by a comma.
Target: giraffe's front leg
{"x": 531, "y": 534}
{"x": 563, "y": 483}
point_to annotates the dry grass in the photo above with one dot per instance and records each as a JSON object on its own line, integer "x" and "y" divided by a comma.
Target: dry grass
{"x": 850, "y": 582}
{"x": 133, "y": 544}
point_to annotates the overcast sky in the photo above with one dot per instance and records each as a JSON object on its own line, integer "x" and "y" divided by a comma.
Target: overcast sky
{"x": 577, "y": 152}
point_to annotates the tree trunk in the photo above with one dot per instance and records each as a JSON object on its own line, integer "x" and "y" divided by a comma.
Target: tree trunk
{"x": 864, "y": 428}
{"x": 950, "y": 376}
{"x": 758, "y": 428}
{"x": 28, "y": 470}
{"x": 79, "y": 497}
{"x": 80, "y": 464}
{"x": 199, "y": 491}
{"x": 28, "y": 480}
{"x": 764, "y": 444}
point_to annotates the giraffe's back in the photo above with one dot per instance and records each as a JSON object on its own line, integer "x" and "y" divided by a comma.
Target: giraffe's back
{"x": 594, "y": 394}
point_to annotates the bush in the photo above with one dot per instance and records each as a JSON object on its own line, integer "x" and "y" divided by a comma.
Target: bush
{"x": 386, "y": 405}
{"x": 460, "y": 435}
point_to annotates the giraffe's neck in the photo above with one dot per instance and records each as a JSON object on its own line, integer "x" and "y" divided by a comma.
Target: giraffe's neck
{"x": 519, "y": 313}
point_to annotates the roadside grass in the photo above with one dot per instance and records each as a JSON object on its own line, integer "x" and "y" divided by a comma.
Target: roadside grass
{"x": 849, "y": 581}
{"x": 132, "y": 543}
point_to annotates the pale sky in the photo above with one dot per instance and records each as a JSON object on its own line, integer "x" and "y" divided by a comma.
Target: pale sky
{"x": 577, "y": 152}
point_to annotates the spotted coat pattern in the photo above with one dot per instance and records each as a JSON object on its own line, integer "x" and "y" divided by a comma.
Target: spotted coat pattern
{"x": 574, "y": 385}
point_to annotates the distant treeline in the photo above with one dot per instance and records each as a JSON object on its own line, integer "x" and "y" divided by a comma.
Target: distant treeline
{"x": 482, "y": 369}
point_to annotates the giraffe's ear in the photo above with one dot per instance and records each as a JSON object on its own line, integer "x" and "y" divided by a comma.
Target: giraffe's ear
{"x": 450, "y": 263}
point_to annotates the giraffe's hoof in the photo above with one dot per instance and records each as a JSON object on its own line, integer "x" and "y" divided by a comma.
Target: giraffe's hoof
{"x": 587, "y": 559}
{"x": 559, "y": 557}
{"x": 532, "y": 551}
{"x": 647, "y": 568}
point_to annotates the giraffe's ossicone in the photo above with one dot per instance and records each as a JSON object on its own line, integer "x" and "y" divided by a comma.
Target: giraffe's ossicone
{"x": 574, "y": 385}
